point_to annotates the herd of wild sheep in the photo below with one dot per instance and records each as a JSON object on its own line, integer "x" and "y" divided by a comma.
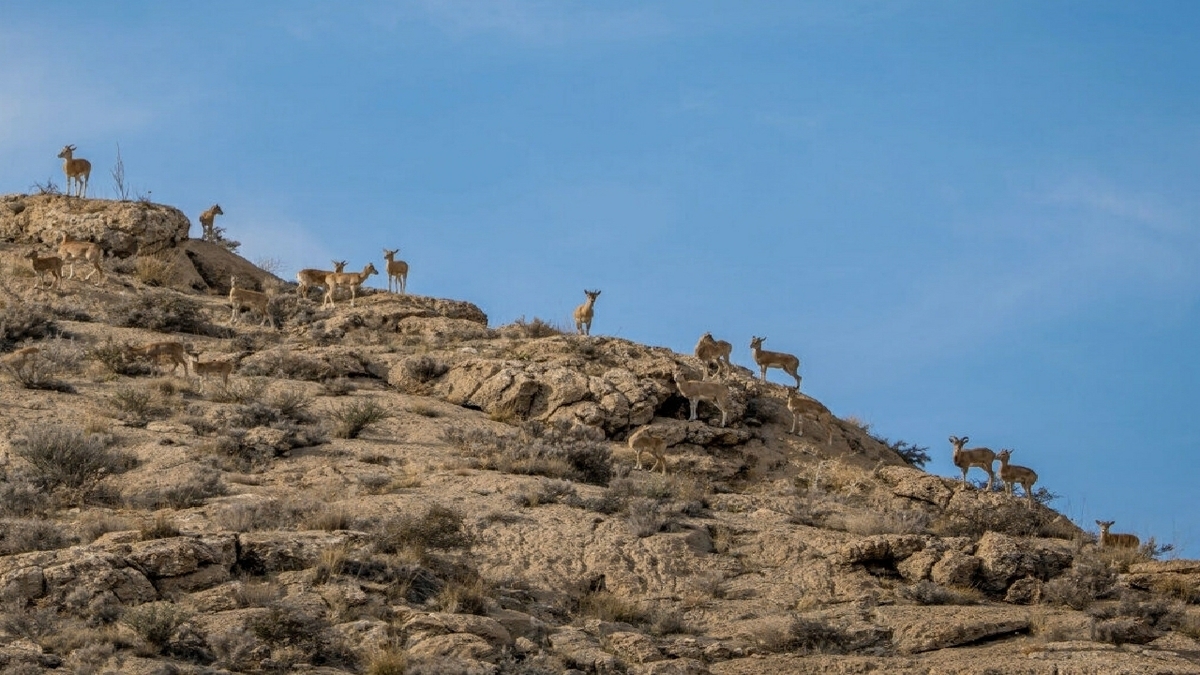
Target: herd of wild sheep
{"x": 712, "y": 353}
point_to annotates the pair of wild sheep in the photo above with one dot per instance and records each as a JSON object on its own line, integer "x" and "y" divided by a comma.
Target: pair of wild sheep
{"x": 332, "y": 280}
{"x": 177, "y": 354}
{"x": 70, "y": 251}
{"x": 1010, "y": 474}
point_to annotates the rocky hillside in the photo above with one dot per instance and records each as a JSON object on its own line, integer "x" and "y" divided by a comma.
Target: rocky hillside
{"x": 402, "y": 488}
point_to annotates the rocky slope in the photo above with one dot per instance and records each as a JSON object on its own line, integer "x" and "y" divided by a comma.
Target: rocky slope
{"x": 399, "y": 487}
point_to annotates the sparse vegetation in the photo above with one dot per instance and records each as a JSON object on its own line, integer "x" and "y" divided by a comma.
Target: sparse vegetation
{"x": 555, "y": 451}
{"x": 537, "y": 328}
{"x": 63, "y": 456}
{"x": 352, "y": 418}
{"x": 20, "y": 321}
{"x": 153, "y": 270}
{"x": 341, "y": 544}
{"x": 21, "y": 535}
{"x": 438, "y": 528}
{"x": 165, "y": 312}
{"x": 137, "y": 405}
{"x": 156, "y": 622}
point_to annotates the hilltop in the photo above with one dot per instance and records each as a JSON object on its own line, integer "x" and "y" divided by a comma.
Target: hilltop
{"x": 402, "y": 487}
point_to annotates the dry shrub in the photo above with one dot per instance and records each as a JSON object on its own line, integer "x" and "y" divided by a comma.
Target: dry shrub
{"x": 338, "y": 386}
{"x": 926, "y": 592}
{"x": 330, "y": 519}
{"x": 438, "y": 528}
{"x": 258, "y": 594}
{"x": 152, "y": 270}
{"x": 555, "y": 451}
{"x": 247, "y": 390}
{"x": 300, "y": 637}
{"x": 25, "y": 321}
{"x": 192, "y": 491}
{"x": 292, "y": 404}
{"x": 20, "y": 495}
{"x": 94, "y": 524}
{"x": 21, "y": 535}
{"x": 352, "y": 418}
{"x": 63, "y": 456}
{"x": 423, "y": 369}
{"x": 116, "y": 359}
{"x": 606, "y": 606}
{"x": 973, "y": 518}
{"x": 137, "y": 406}
{"x": 283, "y": 363}
{"x": 537, "y": 328}
{"x": 387, "y": 661}
{"x": 1091, "y": 576}
{"x": 647, "y": 517}
{"x": 1136, "y": 619}
{"x": 546, "y": 491}
{"x": 162, "y": 527}
{"x": 156, "y": 622}
{"x": 40, "y": 370}
{"x": 464, "y": 594}
{"x": 805, "y": 636}
{"x": 165, "y": 312}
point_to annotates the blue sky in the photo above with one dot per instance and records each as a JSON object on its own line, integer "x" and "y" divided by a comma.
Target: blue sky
{"x": 966, "y": 218}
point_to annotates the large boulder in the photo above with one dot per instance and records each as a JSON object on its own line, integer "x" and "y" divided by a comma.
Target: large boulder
{"x": 1180, "y": 578}
{"x": 922, "y": 629}
{"x": 121, "y": 228}
{"x": 1004, "y": 559}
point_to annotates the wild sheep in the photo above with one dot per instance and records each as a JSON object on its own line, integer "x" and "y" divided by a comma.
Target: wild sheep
{"x": 203, "y": 369}
{"x": 799, "y": 405}
{"x": 244, "y": 298}
{"x": 396, "y": 270}
{"x": 643, "y": 441}
{"x": 585, "y": 312}
{"x": 695, "y": 391}
{"x": 310, "y": 277}
{"x": 765, "y": 359}
{"x": 1110, "y": 540}
{"x": 351, "y": 280}
{"x": 20, "y": 358}
{"x": 51, "y": 265}
{"x": 980, "y": 457}
{"x": 72, "y": 250}
{"x": 206, "y": 221}
{"x": 78, "y": 171}
{"x": 175, "y": 352}
{"x": 711, "y": 351}
{"x": 1011, "y": 473}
